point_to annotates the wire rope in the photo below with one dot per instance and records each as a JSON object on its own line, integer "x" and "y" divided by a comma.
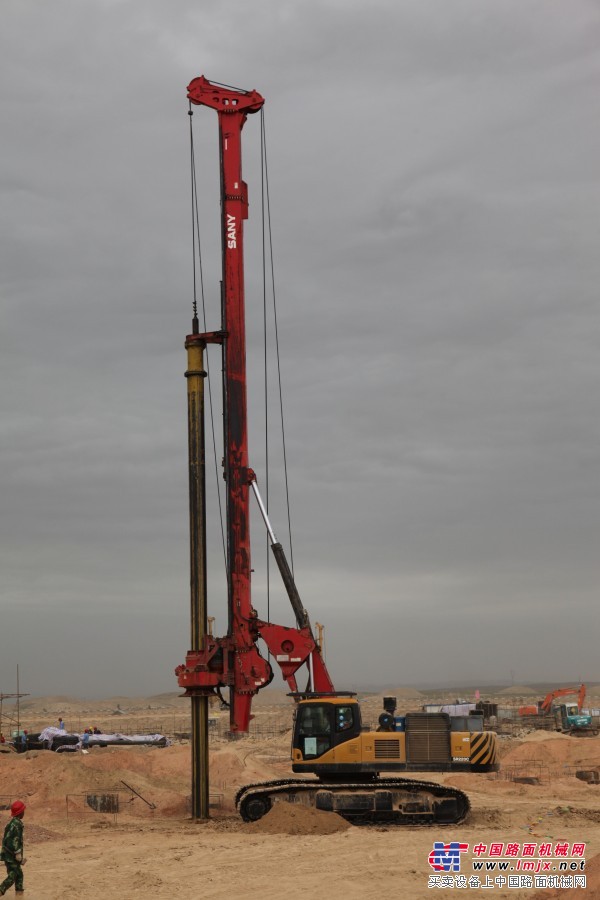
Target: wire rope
{"x": 264, "y": 165}
{"x": 196, "y": 245}
{"x": 268, "y": 275}
{"x": 265, "y": 362}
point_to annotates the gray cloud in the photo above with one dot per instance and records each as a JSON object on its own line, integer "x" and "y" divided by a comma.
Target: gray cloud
{"x": 434, "y": 189}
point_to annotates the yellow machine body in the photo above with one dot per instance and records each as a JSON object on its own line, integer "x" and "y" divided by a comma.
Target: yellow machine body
{"x": 357, "y": 770}
{"x": 328, "y": 740}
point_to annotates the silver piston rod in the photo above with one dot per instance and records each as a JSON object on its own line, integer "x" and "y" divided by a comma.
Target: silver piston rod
{"x": 286, "y": 574}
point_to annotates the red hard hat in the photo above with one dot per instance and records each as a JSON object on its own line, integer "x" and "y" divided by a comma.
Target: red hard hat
{"x": 17, "y": 808}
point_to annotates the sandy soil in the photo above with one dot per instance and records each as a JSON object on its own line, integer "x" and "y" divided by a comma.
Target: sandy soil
{"x": 140, "y": 851}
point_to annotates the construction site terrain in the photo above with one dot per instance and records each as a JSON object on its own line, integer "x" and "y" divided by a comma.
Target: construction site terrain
{"x": 115, "y": 821}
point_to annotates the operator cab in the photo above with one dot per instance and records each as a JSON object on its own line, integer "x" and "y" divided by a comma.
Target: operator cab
{"x": 322, "y": 724}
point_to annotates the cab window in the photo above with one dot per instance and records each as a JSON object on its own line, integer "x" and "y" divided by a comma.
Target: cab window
{"x": 313, "y": 733}
{"x": 313, "y": 720}
{"x": 344, "y": 718}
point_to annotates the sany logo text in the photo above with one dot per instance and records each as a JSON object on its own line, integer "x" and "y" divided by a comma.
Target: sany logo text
{"x": 231, "y": 232}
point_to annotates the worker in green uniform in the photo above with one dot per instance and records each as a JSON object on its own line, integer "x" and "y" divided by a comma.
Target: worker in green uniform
{"x": 12, "y": 850}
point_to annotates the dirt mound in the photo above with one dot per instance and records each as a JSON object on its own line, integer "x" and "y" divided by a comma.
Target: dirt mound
{"x": 37, "y": 834}
{"x": 560, "y": 750}
{"x": 402, "y": 693}
{"x": 160, "y": 775}
{"x": 287, "y": 818}
{"x": 590, "y": 892}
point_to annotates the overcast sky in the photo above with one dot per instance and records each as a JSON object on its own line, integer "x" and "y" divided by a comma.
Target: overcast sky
{"x": 434, "y": 184}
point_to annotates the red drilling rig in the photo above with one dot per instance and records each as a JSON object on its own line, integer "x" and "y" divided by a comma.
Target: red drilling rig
{"x": 234, "y": 661}
{"x": 329, "y": 740}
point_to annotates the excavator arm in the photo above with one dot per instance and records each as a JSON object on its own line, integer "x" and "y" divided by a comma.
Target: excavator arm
{"x": 548, "y": 701}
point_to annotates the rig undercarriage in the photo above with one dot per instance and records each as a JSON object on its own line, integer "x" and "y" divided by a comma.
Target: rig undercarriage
{"x": 391, "y": 801}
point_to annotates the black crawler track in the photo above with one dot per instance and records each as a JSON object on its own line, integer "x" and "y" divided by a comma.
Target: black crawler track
{"x": 254, "y": 800}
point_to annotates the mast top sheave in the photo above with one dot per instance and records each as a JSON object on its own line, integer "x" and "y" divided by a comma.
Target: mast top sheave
{"x": 223, "y": 98}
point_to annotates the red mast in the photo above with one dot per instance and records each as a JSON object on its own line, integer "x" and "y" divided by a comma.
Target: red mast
{"x": 234, "y": 661}
{"x": 233, "y": 107}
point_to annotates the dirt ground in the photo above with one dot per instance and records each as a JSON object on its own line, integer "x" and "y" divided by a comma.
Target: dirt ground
{"x": 152, "y": 847}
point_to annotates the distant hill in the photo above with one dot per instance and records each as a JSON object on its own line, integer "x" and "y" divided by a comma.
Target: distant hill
{"x": 517, "y": 690}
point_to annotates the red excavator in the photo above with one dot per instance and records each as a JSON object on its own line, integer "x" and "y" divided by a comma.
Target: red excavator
{"x": 544, "y": 707}
{"x": 547, "y": 703}
{"x": 567, "y": 717}
{"x": 329, "y": 739}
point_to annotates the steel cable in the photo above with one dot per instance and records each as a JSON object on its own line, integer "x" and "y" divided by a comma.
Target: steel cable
{"x": 196, "y": 241}
{"x": 264, "y": 164}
